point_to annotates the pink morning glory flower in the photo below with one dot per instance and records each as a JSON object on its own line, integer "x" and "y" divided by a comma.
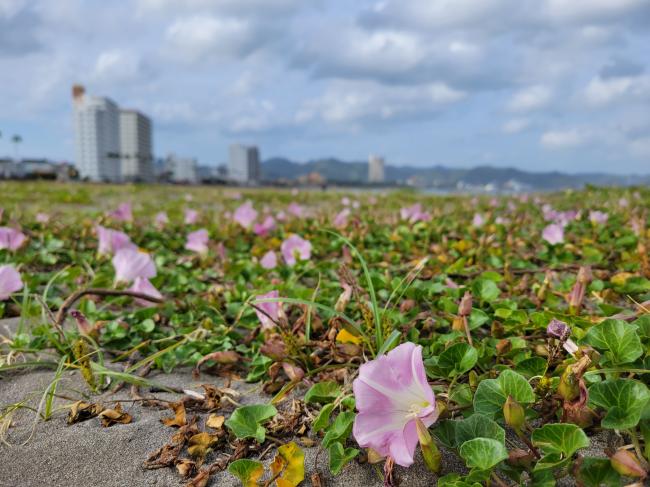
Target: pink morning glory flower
{"x": 191, "y": 216}
{"x": 341, "y": 219}
{"x": 390, "y": 393}
{"x": 245, "y": 215}
{"x": 10, "y": 281}
{"x": 198, "y": 241}
{"x": 143, "y": 285}
{"x": 269, "y": 260}
{"x": 265, "y": 227}
{"x": 296, "y": 210}
{"x": 294, "y": 248}
{"x": 272, "y": 309}
{"x": 161, "y": 219}
{"x": 123, "y": 213}
{"x": 478, "y": 220}
{"x": 345, "y": 201}
{"x": 132, "y": 263}
{"x": 42, "y": 217}
{"x": 598, "y": 217}
{"x": 11, "y": 239}
{"x": 553, "y": 233}
{"x": 414, "y": 214}
{"x": 110, "y": 241}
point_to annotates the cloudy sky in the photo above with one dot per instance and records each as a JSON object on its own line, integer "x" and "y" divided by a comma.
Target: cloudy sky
{"x": 536, "y": 84}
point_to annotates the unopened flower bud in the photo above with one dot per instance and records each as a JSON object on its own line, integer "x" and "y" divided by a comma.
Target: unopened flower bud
{"x": 514, "y": 414}
{"x": 473, "y": 379}
{"x": 626, "y": 463}
{"x": 569, "y": 387}
{"x": 577, "y": 294}
{"x": 430, "y": 451}
{"x": 465, "y": 306}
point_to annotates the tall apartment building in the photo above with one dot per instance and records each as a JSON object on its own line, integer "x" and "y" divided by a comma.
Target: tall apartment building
{"x": 376, "y": 169}
{"x": 181, "y": 169}
{"x": 135, "y": 146}
{"x": 97, "y": 136}
{"x": 244, "y": 164}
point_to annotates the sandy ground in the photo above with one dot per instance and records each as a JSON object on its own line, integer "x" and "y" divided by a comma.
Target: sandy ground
{"x": 86, "y": 454}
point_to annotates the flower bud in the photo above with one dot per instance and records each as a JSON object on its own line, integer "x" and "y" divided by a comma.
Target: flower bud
{"x": 465, "y": 306}
{"x": 473, "y": 380}
{"x": 577, "y": 294}
{"x": 626, "y": 463}
{"x": 430, "y": 451}
{"x": 569, "y": 387}
{"x": 514, "y": 414}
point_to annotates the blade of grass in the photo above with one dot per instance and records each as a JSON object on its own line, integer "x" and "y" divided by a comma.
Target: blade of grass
{"x": 379, "y": 335}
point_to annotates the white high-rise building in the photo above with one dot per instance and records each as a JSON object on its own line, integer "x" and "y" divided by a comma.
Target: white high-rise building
{"x": 135, "y": 146}
{"x": 244, "y": 164}
{"x": 97, "y": 136}
{"x": 181, "y": 169}
{"x": 376, "y": 169}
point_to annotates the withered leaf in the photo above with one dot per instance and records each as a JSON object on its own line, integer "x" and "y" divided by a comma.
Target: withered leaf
{"x": 165, "y": 456}
{"x": 214, "y": 421}
{"x": 226, "y": 357}
{"x": 186, "y": 467}
{"x": 109, "y": 417}
{"x": 199, "y": 445}
{"x": 201, "y": 480}
{"x": 179, "y": 418}
{"x": 82, "y": 411}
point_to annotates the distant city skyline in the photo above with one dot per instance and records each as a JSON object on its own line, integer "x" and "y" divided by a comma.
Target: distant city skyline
{"x": 533, "y": 84}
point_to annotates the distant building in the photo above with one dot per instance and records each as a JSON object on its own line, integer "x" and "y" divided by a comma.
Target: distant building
{"x": 376, "y": 169}
{"x": 97, "y": 136}
{"x": 244, "y": 164}
{"x": 181, "y": 169}
{"x": 135, "y": 147}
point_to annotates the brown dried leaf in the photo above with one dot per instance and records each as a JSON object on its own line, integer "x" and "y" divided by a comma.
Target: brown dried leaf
{"x": 179, "y": 418}
{"x": 227, "y": 357}
{"x": 186, "y": 467}
{"x": 165, "y": 456}
{"x": 201, "y": 480}
{"x": 109, "y": 417}
{"x": 82, "y": 411}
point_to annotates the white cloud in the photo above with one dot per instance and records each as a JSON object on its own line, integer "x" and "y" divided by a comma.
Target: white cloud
{"x": 352, "y": 102}
{"x": 196, "y": 38}
{"x": 531, "y": 98}
{"x": 515, "y": 125}
{"x": 116, "y": 65}
{"x": 562, "y": 139}
{"x": 601, "y": 91}
{"x": 592, "y": 10}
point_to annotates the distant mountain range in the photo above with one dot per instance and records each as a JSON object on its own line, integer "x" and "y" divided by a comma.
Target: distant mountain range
{"x": 488, "y": 178}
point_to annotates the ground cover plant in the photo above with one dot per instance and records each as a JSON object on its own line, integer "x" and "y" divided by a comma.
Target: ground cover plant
{"x": 382, "y": 326}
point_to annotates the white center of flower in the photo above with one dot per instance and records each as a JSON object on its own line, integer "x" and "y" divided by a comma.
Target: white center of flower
{"x": 415, "y": 409}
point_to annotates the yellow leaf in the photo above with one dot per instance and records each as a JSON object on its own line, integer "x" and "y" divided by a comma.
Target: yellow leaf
{"x": 179, "y": 418}
{"x": 344, "y": 336}
{"x": 291, "y": 459}
{"x": 215, "y": 421}
{"x": 109, "y": 417}
{"x": 199, "y": 445}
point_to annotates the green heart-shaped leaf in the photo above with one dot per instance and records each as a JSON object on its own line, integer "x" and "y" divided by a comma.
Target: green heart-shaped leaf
{"x": 340, "y": 456}
{"x": 598, "y": 472}
{"x": 623, "y": 401}
{"x": 457, "y": 359}
{"x": 618, "y": 338}
{"x": 491, "y": 394}
{"x": 248, "y": 471}
{"x": 323, "y": 392}
{"x": 483, "y": 453}
{"x": 246, "y": 421}
{"x": 340, "y": 429}
{"x": 560, "y": 438}
{"x": 454, "y": 433}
